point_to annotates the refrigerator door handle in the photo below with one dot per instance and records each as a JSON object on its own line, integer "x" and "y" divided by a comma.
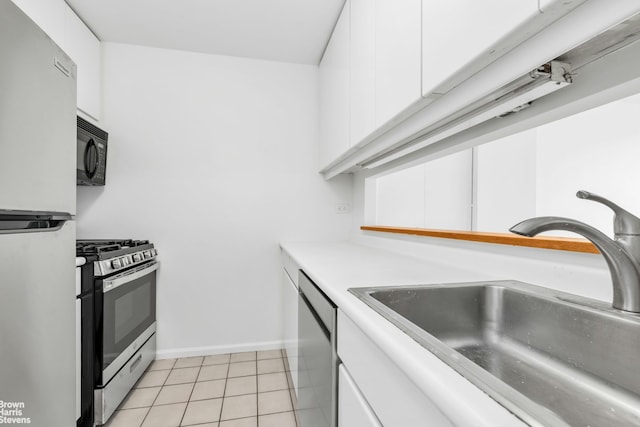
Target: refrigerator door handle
{"x": 12, "y": 222}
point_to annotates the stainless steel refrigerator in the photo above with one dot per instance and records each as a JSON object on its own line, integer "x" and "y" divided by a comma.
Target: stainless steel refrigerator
{"x": 37, "y": 233}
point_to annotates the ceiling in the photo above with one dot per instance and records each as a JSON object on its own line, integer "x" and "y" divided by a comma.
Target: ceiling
{"x": 279, "y": 30}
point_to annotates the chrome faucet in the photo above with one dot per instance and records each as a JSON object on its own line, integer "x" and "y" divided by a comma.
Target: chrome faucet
{"x": 621, "y": 253}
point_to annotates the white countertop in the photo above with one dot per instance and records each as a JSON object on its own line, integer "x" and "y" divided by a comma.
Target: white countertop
{"x": 337, "y": 266}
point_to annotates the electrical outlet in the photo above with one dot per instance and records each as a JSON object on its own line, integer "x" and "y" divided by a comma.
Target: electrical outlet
{"x": 342, "y": 208}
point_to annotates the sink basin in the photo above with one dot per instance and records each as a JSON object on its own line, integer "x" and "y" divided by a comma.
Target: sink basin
{"x": 551, "y": 358}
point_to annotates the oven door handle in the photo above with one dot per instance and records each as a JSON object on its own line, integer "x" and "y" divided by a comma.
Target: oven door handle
{"x": 113, "y": 283}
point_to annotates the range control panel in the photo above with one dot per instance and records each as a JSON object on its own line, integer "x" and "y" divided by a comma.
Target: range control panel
{"x": 108, "y": 266}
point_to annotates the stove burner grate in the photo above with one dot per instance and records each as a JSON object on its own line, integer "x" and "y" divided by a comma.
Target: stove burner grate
{"x": 101, "y": 246}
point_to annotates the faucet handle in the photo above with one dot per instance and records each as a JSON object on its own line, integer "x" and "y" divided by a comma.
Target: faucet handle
{"x": 624, "y": 222}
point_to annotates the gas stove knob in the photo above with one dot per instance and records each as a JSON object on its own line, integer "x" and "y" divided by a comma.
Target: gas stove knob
{"x": 137, "y": 257}
{"x": 147, "y": 254}
{"x": 154, "y": 252}
{"x": 116, "y": 264}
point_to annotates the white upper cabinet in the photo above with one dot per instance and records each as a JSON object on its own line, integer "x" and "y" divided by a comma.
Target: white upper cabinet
{"x": 84, "y": 48}
{"x": 334, "y": 92}
{"x": 48, "y": 14}
{"x": 384, "y": 62}
{"x": 363, "y": 83}
{"x": 68, "y": 31}
{"x": 456, "y": 33}
{"x": 549, "y": 5}
{"x": 413, "y": 52}
{"x": 397, "y": 57}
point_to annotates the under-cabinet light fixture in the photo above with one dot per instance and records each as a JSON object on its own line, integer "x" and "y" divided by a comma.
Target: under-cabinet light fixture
{"x": 544, "y": 80}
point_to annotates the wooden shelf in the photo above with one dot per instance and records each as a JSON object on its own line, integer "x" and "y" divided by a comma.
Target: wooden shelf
{"x": 557, "y": 243}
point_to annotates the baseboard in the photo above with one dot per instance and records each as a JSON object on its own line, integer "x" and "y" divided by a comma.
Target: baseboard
{"x": 222, "y": 349}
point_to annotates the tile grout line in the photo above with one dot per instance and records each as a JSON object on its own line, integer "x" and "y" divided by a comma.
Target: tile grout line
{"x": 227, "y": 378}
{"x": 287, "y": 375}
{"x": 190, "y": 394}
{"x": 242, "y": 418}
{"x": 161, "y": 387}
{"x": 290, "y": 386}
{"x": 224, "y": 392}
{"x": 224, "y": 397}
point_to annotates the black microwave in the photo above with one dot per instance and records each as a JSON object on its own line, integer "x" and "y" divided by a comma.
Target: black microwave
{"x": 92, "y": 154}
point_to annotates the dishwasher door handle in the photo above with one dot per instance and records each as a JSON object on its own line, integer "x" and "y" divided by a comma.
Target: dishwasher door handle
{"x": 321, "y": 304}
{"x": 321, "y": 324}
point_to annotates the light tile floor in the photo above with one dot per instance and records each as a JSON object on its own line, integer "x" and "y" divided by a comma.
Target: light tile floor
{"x": 249, "y": 389}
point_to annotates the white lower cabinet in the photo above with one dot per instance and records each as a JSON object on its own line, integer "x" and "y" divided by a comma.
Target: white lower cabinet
{"x": 392, "y": 396}
{"x": 353, "y": 409}
{"x": 290, "y": 321}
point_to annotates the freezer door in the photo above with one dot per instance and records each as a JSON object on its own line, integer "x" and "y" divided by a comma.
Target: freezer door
{"x": 37, "y": 325}
{"x": 37, "y": 118}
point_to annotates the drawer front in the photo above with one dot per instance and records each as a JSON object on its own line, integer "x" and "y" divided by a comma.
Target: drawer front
{"x": 395, "y": 399}
{"x": 290, "y": 267}
{"x": 108, "y": 399}
{"x": 353, "y": 409}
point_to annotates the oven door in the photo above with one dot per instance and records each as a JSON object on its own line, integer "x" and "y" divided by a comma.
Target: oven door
{"x": 126, "y": 317}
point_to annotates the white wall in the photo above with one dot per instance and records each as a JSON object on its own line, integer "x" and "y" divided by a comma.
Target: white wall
{"x": 399, "y": 199}
{"x": 582, "y": 274}
{"x": 436, "y": 194}
{"x": 213, "y": 159}
{"x": 447, "y": 188}
{"x": 596, "y": 151}
{"x": 505, "y": 175}
{"x": 538, "y": 172}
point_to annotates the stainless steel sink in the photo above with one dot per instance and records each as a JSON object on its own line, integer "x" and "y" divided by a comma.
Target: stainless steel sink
{"x": 551, "y": 358}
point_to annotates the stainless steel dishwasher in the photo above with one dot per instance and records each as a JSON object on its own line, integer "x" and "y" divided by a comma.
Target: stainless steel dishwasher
{"x": 318, "y": 359}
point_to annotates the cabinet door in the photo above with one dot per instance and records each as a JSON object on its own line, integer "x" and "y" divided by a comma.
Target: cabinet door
{"x": 394, "y": 397}
{"x": 48, "y": 14}
{"x": 457, "y": 32}
{"x": 334, "y": 92}
{"x": 397, "y": 57}
{"x": 84, "y": 48}
{"x": 290, "y": 327}
{"x": 363, "y": 83}
{"x": 353, "y": 409}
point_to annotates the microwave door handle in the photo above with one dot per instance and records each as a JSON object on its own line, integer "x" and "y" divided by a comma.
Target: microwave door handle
{"x": 91, "y": 153}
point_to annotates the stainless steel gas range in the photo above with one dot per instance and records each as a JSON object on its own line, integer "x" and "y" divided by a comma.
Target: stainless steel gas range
{"x": 122, "y": 277}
